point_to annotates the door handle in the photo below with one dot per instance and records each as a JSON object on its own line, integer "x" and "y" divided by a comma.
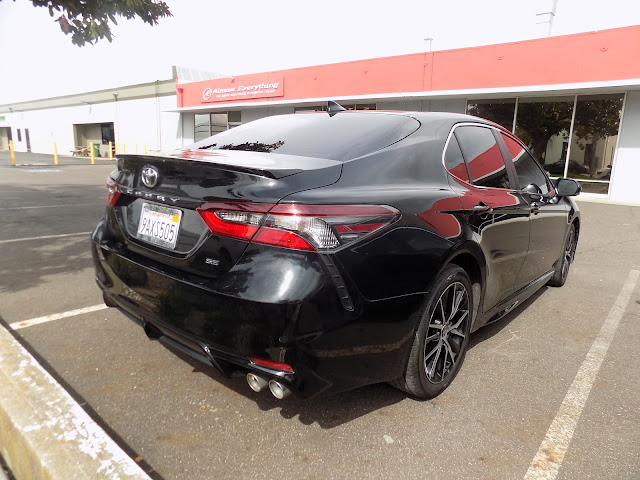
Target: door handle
{"x": 482, "y": 208}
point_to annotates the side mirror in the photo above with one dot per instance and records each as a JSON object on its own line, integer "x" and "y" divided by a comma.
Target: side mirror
{"x": 568, "y": 187}
{"x": 534, "y": 191}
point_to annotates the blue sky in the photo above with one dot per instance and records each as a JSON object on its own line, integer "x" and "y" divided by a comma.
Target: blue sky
{"x": 245, "y": 36}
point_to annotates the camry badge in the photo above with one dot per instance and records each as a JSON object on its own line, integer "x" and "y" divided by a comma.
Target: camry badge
{"x": 150, "y": 176}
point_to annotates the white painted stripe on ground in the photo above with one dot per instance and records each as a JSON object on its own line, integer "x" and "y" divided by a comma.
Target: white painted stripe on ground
{"x": 45, "y": 237}
{"x": 54, "y": 206}
{"x": 547, "y": 461}
{"x": 56, "y": 316}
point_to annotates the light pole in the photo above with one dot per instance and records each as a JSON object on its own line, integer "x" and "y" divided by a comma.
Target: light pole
{"x": 428, "y": 41}
{"x": 551, "y": 14}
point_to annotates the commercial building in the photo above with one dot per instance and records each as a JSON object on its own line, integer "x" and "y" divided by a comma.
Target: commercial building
{"x": 574, "y": 99}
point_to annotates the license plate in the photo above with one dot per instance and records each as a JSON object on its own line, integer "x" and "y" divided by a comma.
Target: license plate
{"x": 159, "y": 225}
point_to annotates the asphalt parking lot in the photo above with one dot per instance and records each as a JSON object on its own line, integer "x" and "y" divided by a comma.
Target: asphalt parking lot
{"x": 549, "y": 370}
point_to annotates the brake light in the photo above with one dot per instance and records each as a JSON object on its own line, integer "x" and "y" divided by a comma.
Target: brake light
{"x": 273, "y": 365}
{"x": 299, "y": 227}
{"x": 113, "y": 192}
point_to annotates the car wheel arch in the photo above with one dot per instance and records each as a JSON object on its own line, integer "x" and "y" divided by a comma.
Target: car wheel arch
{"x": 469, "y": 257}
{"x": 576, "y": 222}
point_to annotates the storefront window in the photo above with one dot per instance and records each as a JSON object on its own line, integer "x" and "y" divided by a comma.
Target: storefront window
{"x": 201, "y": 127}
{"x": 323, "y": 108}
{"x": 500, "y": 111}
{"x": 310, "y": 108}
{"x": 208, "y": 124}
{"x": 595, "y": 134}
{"x": 360, "y": 106}
{"x": 543, "y": 124}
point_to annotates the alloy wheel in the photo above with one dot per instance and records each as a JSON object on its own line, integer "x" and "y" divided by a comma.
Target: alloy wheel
{"x": 446, "y": 332}
{"x": 569, "y": 250}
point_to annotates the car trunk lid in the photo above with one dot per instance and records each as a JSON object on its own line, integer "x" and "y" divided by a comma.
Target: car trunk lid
{"x": 178, "y": 183}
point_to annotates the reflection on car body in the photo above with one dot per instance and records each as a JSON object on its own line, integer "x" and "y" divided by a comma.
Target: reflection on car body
{"x": 359, "y": 247}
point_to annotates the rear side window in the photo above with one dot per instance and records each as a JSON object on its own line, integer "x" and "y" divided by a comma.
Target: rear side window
{"x": 343, "y": 136}
{"x": 455, "y": 161}
{"x": 526, "y": 166}
{"x": 482, "y": 154}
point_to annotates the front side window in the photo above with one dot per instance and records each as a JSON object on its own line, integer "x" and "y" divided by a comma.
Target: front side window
{"x": 482, "y": 154}
{"x": 527, "y": 167}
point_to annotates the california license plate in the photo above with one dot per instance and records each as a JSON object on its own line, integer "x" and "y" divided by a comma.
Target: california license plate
{"x": 159, "y": 225}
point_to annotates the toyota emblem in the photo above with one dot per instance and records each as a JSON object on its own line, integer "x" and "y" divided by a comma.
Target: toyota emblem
{"x": 150, "y": 176}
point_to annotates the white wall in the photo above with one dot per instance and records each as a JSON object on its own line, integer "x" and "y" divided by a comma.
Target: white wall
{"x": 170, "y": 126}
{"x": 187, "y": 129}
{"x": 626, "y": 164}
{"x": 135, "y": 121}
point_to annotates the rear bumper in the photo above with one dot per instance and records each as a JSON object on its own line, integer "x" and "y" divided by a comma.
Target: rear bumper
{"x": 296, "y": 317}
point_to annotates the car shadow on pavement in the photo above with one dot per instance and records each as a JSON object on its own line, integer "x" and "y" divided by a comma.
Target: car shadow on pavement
{"x": 494, "y": 328}
{"x": 334, "y": 410}
{"x": 326, "y": 411}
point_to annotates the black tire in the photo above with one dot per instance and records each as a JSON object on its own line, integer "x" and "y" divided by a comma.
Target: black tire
{"x": 441, "y": 338}
{"x": 564, "y": 262}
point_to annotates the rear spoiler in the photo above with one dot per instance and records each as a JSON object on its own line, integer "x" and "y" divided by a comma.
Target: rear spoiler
{"x": 270, "y": 165}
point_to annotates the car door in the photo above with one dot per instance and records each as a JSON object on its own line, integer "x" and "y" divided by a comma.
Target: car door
{"x": 496, "y": 212}
{"x": 548, "y": 216}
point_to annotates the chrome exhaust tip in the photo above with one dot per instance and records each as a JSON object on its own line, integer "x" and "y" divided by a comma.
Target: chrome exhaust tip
{"x": 278, "y": 390}
{"x": 256, "y": 383}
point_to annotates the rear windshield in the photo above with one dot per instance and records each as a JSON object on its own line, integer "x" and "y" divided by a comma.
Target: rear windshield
{"x": 343, "y": 136}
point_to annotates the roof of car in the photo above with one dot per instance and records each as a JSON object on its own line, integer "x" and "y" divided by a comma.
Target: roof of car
{"x": 426, "y": 117}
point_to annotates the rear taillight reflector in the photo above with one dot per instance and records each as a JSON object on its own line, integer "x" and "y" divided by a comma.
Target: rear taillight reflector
{"x": 300, "y": 227}
{"x": 113, "y": 192}
{"x": 271, "y": 236}
{"x": 231, "y": 224}
{"x": 273, "y": 365}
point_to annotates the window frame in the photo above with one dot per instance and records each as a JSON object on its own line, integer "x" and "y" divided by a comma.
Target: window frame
{"x": 507, "y": 155}
{"x": 510, "y": 167}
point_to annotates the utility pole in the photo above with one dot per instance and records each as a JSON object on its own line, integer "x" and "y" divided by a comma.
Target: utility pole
{"x": 551, "y": 16}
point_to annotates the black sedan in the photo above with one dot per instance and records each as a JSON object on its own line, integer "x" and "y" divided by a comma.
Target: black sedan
{"x": 315, "y": 253}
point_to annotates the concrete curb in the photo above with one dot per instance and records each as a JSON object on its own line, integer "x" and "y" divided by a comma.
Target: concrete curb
{"x": 44, "y": 433}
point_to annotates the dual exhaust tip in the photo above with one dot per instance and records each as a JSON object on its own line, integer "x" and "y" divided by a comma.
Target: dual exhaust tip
{"x": 258, "y": 384}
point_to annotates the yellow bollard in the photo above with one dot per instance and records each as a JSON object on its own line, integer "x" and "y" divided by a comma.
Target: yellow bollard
{"x": 110, "y": 152}
{"x": 136, "y": 149}
{"x": 93, "y": 158}
{"x": 145, "y": 148}
{"x": 124, "y": 148}
{"x": 55, "y": 153}
{"x": 13, "y": 153}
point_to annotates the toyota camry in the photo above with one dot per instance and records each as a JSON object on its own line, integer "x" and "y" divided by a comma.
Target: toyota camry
{"x": 316, "y": 253}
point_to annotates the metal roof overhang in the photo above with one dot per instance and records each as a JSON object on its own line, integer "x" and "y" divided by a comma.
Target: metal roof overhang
{"x": 159, "y": 88}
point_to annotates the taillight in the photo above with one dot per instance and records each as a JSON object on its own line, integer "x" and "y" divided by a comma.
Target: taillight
{"x": 273, "y": 365}
{"x": 300, "y": 227}
{"x": 113, "y": 192}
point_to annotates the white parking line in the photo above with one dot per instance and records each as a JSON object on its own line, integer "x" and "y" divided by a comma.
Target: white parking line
{"x": 56, "y": 316}
{"x": 44, "y": 237}
{"x": 547, "y": 461}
